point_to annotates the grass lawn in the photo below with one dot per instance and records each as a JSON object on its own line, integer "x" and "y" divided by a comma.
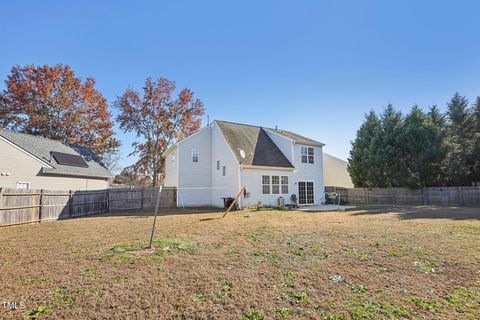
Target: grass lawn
{"x": 370, "y": 263}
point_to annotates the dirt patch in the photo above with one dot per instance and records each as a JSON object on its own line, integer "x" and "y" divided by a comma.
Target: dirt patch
{"x": 370, "y": 263}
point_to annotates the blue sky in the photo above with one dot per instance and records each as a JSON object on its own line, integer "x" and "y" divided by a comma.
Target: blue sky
{"x": 314, "y": 67}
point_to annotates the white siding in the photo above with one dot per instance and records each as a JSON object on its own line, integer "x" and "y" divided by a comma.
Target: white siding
{"x": 310, "y": 172}
{"x": 202, "y": 184}
{"x": 194, "y": 177}
{"x": 252, "y": 180}
{"x": 228, "y": 185}
{"x": 284, "y": 144}
{"x": 24, "y": 168}
{"x": 171, "y": 174}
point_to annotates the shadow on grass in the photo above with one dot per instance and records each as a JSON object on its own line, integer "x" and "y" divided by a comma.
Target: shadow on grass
{"x": 211, "y": 219}
{"x": 405, "y": 212}
{"x": 146, "y": 213}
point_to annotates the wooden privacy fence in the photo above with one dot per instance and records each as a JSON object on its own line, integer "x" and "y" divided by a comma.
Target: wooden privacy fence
{"x": 443, "y": 196}
{"x": 19, "y": 206}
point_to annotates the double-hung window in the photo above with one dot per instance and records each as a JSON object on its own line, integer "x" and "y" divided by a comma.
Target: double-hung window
{"x": 275, "y": 184}
{"x": 195, "y": 155}
{"x": 284, "y": 184}
{"x": 307, "y": 155}
{"x": 265, "y": 184}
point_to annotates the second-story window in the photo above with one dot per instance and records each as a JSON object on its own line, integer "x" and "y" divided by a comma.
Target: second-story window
{"x": 307, "y": 155}
{"x": 224, "y": 171}
{"x": 195, "y": 154}
{"x": 218, "y": 164}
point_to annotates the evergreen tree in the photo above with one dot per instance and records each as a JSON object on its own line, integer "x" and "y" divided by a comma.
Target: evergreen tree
{"x": 360, "y": 163}
{"x": 388, "y": 150}
{"x": 476, "y": 142}
{"x": 437, "y": 125}
{"x": 420, "y": 150}
{"x": 423, "y": 149}
{"x": 459, "y": 140}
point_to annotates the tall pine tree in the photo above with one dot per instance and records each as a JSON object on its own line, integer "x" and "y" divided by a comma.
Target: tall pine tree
{"x": 476, "y": 142}
{"x": 419, "y": 150}
{"x": 459, "y": 140}
{"x": 361, "y": 165}
{"x": 436, "y": 124}
{"x": 388, "y": 150}
{"x": 423, "y": 150}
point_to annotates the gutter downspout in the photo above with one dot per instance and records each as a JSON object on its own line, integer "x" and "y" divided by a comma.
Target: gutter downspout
{"x": 240, "y": 184}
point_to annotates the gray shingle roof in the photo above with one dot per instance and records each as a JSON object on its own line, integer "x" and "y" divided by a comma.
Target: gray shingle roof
{"x": 40, "y": 147}
{"x": 297, "y": 138}
{"x": 259, "y": 149}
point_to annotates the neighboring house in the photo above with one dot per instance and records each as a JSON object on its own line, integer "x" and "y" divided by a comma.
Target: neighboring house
{"x": 33, "y": 162}
{"x": 335, "y": 172}
{"x": 220, "y": 159}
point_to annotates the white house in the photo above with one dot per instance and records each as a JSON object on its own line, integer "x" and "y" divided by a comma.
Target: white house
{"x": 220, "y": 159}
{"x": 335, "y": 172}
{"x": 34, "y": 162}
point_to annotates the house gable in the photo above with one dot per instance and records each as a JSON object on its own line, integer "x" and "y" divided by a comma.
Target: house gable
{"x": 25, "y": 152}
{"x": 252, "y": 145}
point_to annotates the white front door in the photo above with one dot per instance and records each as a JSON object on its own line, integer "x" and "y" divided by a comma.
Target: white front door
{"x": 305, "y": 192}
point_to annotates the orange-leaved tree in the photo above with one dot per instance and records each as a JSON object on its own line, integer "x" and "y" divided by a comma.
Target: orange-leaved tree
{"x": 52, "y": 102}
{"x": 159, "y": 119}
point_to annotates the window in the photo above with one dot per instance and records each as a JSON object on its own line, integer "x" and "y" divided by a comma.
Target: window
{"x": 275, "y": 184}
{"x": 284, "y": 185}
{"x": 23, "y": 185}
{"x": 307, "y": 155}
{"x": 279, "y": 184}
{"x": 173, "y": 158}
{"x": 195, "y": 155}
{"x": 224, "y": 171}
{"x": 265, "y": 184}
{"x": 305, "y": 192}
{"x": 218, "y": 164}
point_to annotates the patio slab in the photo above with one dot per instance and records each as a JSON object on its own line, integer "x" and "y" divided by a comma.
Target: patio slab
{"x": 324, "y": 207}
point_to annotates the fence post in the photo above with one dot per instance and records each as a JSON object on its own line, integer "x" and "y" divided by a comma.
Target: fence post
{"x": 70, "y": 204}
{"x": 1, "y": 197}
{"x": 141, "y": 198}
{"x": 460, "y": 196}
{"x": 40, "y": 209}
{"x": 107, "y": 200}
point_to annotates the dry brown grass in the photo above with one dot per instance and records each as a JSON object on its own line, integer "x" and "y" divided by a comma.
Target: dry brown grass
{"x": 372, "y": 263}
